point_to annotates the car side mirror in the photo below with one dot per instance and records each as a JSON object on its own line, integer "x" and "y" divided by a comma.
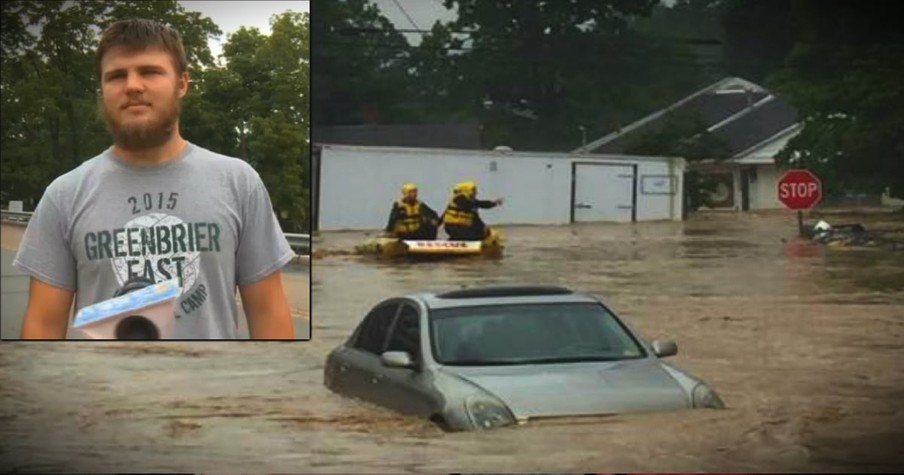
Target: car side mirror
{"x": 665, "y": 348}
{"x": 397, "y": 359}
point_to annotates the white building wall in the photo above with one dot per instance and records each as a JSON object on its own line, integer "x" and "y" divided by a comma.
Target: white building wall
{"x": 359, "y": 184}
{"x": 764, "y": 194}
{"x": 650, "y": 204}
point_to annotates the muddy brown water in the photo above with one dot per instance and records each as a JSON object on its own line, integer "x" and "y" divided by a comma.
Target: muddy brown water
{"x": 804, "y": 343}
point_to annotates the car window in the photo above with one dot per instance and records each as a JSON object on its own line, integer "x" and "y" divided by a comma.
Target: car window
{"x": 406, "y": 333}
{"x": 530, "y": 333}
{"x": 375, "y": 328}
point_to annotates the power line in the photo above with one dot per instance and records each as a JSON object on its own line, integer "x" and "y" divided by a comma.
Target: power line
{"x": 406, "y": 15}
{"x": 679, "y": 39}
{"x": 404, "y": 51}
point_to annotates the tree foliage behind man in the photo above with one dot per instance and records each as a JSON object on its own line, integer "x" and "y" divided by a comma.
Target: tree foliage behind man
{"x": 255, "y": 108}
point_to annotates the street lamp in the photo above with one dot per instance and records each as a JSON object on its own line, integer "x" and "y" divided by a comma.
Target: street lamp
{"x": 583, "y": 136}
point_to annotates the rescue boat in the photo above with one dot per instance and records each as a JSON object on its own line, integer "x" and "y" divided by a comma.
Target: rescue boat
{"x": 391, "y": 247}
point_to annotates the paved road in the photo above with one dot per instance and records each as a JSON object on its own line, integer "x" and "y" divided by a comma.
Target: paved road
{"x": 14, "y": 290}
{"x": 13, "y": 296}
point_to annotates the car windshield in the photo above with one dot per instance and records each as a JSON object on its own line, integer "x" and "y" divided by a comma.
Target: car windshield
{"x": 529, "y": 334}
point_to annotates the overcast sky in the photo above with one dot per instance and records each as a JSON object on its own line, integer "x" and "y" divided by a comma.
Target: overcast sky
{"x": 422, "y": 13}
{"x": 232, "y": 15}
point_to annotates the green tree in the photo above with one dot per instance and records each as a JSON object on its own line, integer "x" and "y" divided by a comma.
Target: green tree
{"x": 257, "y": 108}
{"x": 531, "y": 74}
{"x": 359, "y": 75}
{"x": 438, "y": 91}
{"x": 50, "y": 121}
{"x": 844, "y": 76}
{"x": 534, "y": 73}
{"x": 271, "y": 115}
{"x": 758, "y": 35}
{"x": 694, "y": 29}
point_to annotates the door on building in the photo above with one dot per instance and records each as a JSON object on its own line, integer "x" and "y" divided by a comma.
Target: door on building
{"x": 746, "y": 177}
{"x": 603, "y": 192}
{"x": 315, "y": 189}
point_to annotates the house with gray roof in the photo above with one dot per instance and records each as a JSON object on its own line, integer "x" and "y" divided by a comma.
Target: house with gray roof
{"x": 754, "y": 125}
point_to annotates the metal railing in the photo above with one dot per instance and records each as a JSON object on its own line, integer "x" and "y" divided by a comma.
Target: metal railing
{"x": 300, "y": 243}
{"x": 16, "y": 216}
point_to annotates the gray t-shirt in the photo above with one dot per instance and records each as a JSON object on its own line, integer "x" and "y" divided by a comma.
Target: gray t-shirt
{"x": 203, "y": 218}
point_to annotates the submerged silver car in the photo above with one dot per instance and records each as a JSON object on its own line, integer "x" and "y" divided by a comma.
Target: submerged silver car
{"x": 481, "y": 358}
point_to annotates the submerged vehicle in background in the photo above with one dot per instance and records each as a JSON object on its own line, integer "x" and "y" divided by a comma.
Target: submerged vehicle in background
{"x": 487, "y": 357}
{"x": 842, "y": 235}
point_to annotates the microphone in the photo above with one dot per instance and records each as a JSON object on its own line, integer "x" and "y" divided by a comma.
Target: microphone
{"x": 139, "y": 310}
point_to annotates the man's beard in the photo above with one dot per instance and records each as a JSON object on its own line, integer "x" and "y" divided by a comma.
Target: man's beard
{"x": 144, "y": 133}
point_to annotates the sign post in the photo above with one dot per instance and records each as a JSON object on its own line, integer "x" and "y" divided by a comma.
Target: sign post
{"x": 799, "y": 189}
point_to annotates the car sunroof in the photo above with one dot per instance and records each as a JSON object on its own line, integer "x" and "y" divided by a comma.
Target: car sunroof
{"x": 505, "y": 291}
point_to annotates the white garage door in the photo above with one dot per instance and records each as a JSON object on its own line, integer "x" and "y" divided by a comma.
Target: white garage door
{"x": 603, "y": 192}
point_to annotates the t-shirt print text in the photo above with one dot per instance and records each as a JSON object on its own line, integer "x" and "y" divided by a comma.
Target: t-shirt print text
{"x": 157, "y": 245}
{"x": 148, "y": 201}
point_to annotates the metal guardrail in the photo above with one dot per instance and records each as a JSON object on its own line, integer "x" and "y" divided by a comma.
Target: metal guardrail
{"x": 300, "y": 243}
{"x": 18, "y": 216}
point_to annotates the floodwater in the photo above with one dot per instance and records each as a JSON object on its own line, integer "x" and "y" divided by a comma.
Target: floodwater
{"x": 805, "y": 344}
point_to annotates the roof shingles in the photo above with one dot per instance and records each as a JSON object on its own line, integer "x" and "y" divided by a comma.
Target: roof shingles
{"x": 759, "y": 123}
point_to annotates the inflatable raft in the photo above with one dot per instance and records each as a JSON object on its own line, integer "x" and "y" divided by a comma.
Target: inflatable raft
{"x": 492, "y": 246}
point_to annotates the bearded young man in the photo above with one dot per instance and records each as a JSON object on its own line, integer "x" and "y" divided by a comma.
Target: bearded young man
{"x": 155, "y": 206}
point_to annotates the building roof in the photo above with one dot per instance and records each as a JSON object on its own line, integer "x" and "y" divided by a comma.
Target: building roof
{"x": 436, "y": 153}
{"x": 758, "y": 123}
{"x": 765, "y": 151}
{"x": 458, "y": 136}
{"x": 740, "y": 112}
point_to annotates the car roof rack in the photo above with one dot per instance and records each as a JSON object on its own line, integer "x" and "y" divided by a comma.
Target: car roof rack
{"x": 504, "y": 291}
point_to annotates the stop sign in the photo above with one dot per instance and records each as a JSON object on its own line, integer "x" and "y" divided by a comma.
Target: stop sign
{"x": 799, "y": 189}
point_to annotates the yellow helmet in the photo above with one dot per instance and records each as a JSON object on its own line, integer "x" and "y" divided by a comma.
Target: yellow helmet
{"x": 409, "y": 191}
{"x": 467, "y": 188}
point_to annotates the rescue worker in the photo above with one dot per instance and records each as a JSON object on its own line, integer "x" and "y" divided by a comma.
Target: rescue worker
{"x": 461, "y": 219}
{"x": 412, "y": 219}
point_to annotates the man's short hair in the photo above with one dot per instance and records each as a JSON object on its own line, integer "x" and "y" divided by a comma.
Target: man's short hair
{"x": 140, "y": 34}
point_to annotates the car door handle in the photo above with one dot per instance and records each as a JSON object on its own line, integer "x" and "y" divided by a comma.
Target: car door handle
{"x": 582, "y": 206}
{"x": 625, "y": 207}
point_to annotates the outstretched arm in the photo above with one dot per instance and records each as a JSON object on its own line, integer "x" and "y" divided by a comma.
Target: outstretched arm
{"x": 487, "y": 203}
{"x": 468, "y": 204}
